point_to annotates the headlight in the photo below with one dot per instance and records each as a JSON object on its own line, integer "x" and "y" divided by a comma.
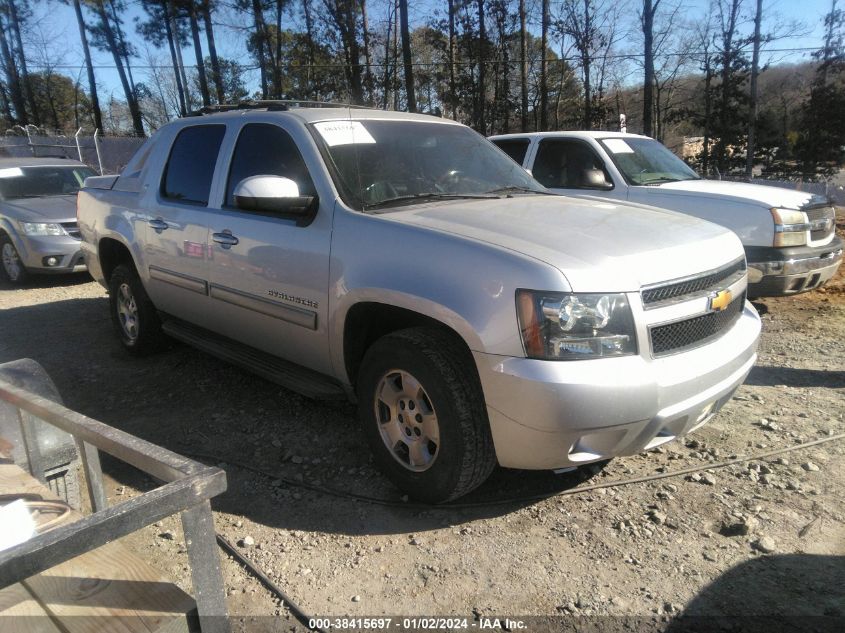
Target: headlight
{"x": 41, "y": 228}
{"x": 790, "y": 227}
{"x": 565, "y": 326}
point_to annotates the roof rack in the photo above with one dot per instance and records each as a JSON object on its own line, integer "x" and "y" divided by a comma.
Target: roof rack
{"x": 272, "y": 104}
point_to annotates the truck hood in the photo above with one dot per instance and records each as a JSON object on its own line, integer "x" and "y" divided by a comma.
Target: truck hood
{"x": 742, "y": 191}
{"x": 46, "y": 209}
{"x": 599, "y": 246}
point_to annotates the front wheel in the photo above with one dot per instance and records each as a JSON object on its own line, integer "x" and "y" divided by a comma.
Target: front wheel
{"x": 12, "y": 267}
{"x": 422, "y": 411}
{"x": 133, "y": 315}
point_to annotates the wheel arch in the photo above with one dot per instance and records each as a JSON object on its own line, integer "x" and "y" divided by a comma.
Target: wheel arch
{"x": 111, "y": 253}
{"x": 367, "y": 321}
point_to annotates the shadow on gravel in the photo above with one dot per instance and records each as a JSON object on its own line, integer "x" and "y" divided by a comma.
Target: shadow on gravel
{"x": 789, "y": 593}
{"x": 37, "y": 282}
{"x": 763, "y": 376}
{"x": 201, "y": 407}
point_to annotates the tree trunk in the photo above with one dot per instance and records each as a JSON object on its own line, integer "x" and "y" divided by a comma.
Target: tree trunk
{"x": 134, "y": 111}
{"x": 309, "y": 30}
{"x": 368, "y": 69}
{"x": 544, "y": 92}
{"x": 195, "y": 36}
{"x": 277, "y": 58}
{"x": 649, "y": 9}
{"x": 92, "y": 83}
{"x": 452, "y": 96}
{"x": 481, "y": 121}
{"x": 212, "y": 52}
{"x": 586, "y": 60}
{"x": 7, "y": 108}
{"x": 177, "y": 51}
{"x": 386, "y": 74}
{"x": 406, "y": 57}
{"x": 123, "y": 47}
{"x": 258, "y": 16}
{"x": 27, "y": 85}
{"x": 708, "y": 107}
{"x": 12, "y": 78}
{"x": 523, "y": 68}
{"x": 754, "y": 106}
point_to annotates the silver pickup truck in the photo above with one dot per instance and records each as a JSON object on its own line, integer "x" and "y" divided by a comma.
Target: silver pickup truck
{"x": 406, "y": 263}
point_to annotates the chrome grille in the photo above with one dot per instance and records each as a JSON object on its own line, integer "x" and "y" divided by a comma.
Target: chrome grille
{"x": 701, "y": 284}
{"x": 822, "y": 222}
{"x": 694, "y": 332}
{"x": 72, "y": 229}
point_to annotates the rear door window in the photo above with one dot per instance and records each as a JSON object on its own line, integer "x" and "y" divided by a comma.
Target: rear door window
{"x": 190, "y": 167}
{"x": 516, "y": 148}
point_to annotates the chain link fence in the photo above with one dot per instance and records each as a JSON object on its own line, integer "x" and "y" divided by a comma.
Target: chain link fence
{"x": 115, "y": 151}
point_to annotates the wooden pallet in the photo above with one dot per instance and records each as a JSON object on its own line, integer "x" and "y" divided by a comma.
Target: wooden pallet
{"x": 107, "y": 589}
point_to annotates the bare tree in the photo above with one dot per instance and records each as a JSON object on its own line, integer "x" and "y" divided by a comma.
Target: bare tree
{"x": 544, "y": 89}
{"x": 647, "y": 19}
{"x": 406, "y": 57}
{"x": 92, "y": 82}
{"x": 754, "y": 106}
{"x": 523, "y": 68}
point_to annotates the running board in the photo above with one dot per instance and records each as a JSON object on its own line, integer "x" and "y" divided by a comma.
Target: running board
{"x": 290, "y": 375}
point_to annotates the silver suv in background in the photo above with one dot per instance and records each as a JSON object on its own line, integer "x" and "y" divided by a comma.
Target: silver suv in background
{"x": 38, "y": 229}
{"x": 405, "y": 262}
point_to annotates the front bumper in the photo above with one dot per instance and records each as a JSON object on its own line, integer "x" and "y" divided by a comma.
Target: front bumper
{"x": 36, "y": 250}
{"x": 774, "y": 272}
{"x": 557, "y": 414}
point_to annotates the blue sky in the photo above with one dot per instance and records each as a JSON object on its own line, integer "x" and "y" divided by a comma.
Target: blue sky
{"x": 54, "y": 34}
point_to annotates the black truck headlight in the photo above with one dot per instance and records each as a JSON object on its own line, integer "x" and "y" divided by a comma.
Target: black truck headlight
{"x": 567, "y": 326}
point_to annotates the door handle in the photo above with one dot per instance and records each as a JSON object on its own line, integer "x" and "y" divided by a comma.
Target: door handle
{"x": 225, "y": 239}
{"x": 159, "y": 225}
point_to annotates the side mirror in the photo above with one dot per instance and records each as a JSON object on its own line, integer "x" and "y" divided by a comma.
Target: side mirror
{"x": 594, "y": 179}
{"x": 272, "y": 194}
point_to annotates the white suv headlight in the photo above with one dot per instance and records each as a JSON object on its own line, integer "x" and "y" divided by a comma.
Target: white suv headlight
{"x": 42, "y": 228}
{"x": 791, "y": 227}
{"x": 566, "y": 326}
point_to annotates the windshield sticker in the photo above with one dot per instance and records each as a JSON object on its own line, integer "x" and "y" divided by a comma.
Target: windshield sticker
{"x": 11, "y": 172}
{"x": 344, "y": 133}
{"x": 618, "y": 146}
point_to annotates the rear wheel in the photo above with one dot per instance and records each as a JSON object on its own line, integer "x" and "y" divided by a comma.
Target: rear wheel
{"x": 133, "y": 315}
{"x": 423, "y": 414}
{"x": 11, "y": 265}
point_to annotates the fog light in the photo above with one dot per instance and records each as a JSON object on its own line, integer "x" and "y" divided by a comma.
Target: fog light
{"x": 51, "y": 261}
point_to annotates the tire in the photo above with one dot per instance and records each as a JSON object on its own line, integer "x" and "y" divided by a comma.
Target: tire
{"x": 133, "y": 315}
{"x": 445, "y": 450}
{"x": 11, "y": 267}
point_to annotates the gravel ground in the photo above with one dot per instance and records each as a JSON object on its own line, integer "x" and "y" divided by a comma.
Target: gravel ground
{"x": 758, "y": 537}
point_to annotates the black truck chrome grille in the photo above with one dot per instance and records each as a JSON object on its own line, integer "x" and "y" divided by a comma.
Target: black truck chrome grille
{"x": 694, "y": 332}
{"x": 701, "y": 284}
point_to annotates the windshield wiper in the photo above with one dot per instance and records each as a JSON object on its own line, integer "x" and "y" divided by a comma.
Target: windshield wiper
{"x": 660, "y": 180}
{"x": 517, "y": 189}
{"x": 417, "y": 197}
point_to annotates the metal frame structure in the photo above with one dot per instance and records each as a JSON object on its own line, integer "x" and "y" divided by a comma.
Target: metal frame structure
{"x": 187, "y": 490}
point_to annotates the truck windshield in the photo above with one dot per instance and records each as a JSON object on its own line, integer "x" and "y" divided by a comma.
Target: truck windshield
{"x": 41, "y": 181}
{"x": 644, "y": 161}
{"x": 381, "y": 164}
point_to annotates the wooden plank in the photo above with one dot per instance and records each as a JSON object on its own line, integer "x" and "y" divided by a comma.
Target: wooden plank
{"x": 21, "y": 613}
{"x": 107, "y": 589}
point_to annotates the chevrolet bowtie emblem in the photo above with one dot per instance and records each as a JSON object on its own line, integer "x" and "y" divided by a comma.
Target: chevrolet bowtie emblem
{"x": 720, "y": 300}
